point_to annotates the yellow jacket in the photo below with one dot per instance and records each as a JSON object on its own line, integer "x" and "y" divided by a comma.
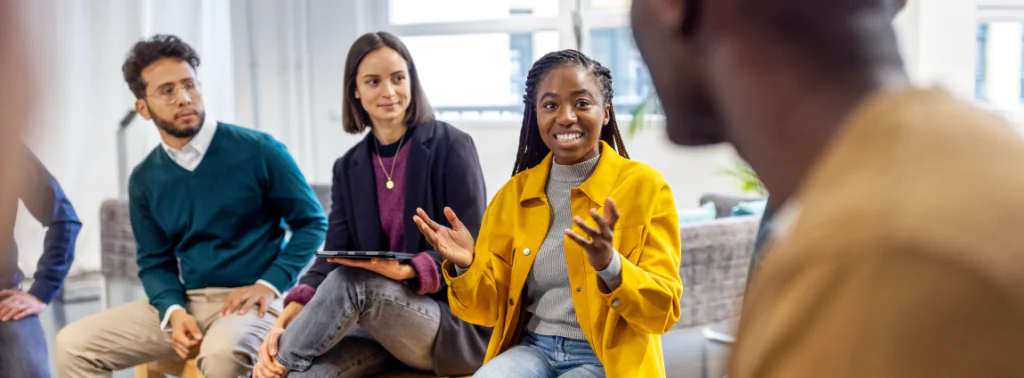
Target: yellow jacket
{"x": 622, "y": 326}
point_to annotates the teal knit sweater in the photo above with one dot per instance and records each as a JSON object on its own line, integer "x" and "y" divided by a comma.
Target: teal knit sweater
{"x": 223, "y": 223}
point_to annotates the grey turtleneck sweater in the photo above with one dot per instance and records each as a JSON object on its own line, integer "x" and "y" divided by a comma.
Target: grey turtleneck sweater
{"x": 548, "y": 292}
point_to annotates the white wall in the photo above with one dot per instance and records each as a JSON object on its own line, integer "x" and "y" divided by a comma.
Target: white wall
{"x": 938, "y": 39}
{"x": 78, "y": 47}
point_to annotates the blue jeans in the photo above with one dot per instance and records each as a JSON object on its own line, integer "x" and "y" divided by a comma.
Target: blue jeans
{"x": 539, "y": 356}
{"x": 360, "y": 324}
{"x": 24, "y": 349}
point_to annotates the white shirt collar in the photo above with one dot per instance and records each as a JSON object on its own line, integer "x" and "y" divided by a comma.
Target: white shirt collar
{"x": 200, "y": 142}
{"x": 192, "y": 153}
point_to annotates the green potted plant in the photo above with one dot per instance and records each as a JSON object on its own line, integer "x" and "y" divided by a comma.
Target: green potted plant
{"x": 648, "y": 107}
{"x": 748, "y": 179}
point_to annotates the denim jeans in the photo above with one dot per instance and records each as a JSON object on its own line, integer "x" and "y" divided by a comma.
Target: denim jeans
{"x": 358, "y": 324}
{"x": 539, "y": 356}
{"x": 24, "y": 349}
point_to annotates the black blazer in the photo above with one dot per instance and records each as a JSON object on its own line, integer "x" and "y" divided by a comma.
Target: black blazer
{"x": 443, "y": 170}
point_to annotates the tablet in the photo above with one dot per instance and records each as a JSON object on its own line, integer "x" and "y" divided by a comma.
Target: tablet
{"x": 366, "y": 255}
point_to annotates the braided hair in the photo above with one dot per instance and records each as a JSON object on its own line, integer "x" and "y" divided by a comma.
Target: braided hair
{"x": 532, "y": 149}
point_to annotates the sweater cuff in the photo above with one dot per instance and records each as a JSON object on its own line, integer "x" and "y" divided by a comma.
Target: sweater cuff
{"x": 44, "y": 290}
{"x": 300, "y": 294}
{"x": 277, "y": 293}
{"x": 612, "y": 274}
{"x": 426, "y": 273}
{"x": 165, "y": 324}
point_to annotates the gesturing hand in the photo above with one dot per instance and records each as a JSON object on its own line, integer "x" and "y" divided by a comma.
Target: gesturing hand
{"x": 600, "y": 249}
{"x": 388, "y": 268}
{"x": 16, "y": 305}
{"x": 456, "y": 243}
{"x": 243, "y": 298}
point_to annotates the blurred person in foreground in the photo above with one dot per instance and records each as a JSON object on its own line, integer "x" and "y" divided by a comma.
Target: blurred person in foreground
{"x": 761, "y": 246}
{"x": 15, "y": 98}
{"x": 894, "y": 250}
{"x": 21, "y": 332}
{"x": 22, "y": 176}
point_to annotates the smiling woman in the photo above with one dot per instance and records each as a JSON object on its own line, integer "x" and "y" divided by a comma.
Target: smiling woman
{"x": 568, "y": 106}
{"x": 618, "y": 276}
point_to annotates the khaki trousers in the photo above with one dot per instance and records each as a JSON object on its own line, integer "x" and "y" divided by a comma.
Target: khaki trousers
{"x": 130, "y": 335}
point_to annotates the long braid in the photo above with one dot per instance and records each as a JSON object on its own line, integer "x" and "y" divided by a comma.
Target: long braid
{"x": 532, "y": 149}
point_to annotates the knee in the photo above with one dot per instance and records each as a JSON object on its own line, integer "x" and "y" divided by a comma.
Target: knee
{"x": 519, "y": 361}
{"x": 71, "y": 346}
{"x": 220, "y": 358}
{"x": 71, "y": 340}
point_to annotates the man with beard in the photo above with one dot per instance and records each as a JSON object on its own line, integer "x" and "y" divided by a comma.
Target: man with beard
{"x": 893, "y": 251}
{"x": 208, "y": 206}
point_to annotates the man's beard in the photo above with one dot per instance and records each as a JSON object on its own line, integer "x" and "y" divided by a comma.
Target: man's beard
{"x": 187, "y": 132}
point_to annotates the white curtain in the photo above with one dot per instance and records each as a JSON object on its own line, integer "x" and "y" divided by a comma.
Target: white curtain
{"x": 78, "y": 48}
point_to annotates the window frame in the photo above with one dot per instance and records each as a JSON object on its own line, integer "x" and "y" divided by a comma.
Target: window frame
{"x": 1001, "y": 11}
{"x": 573, "y": 23}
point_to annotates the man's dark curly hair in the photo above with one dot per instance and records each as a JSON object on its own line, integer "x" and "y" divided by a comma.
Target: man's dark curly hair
{"x": 147, "y": 51}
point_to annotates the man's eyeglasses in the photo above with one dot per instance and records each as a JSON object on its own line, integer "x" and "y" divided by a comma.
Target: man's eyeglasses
{"x": 168, "y": 94}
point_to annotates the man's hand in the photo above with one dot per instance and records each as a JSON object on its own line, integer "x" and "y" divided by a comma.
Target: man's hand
{"x": 16, "y": 305}
{"x": 242, "y": 299}
{"x": 388, "y": 268}
{"x": 185, "y": 335}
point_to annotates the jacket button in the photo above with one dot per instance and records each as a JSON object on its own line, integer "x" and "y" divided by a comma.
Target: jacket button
{"x": 511, "y": 302}
{"x": 578, "y": 289}
{"x": 615, "y": 303}
{"x": 526, "y": 252}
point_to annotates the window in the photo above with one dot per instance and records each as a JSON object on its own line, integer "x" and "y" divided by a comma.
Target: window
{"x": 614, "y": 48}
{"x": 473, "y": 62}
{"x": 490, "y": 78}
{"x": 979, "y": 82}
{"x": 999, "y": 75}
{"x": 406, "y": 12}
{"x": 1000, "y": 53}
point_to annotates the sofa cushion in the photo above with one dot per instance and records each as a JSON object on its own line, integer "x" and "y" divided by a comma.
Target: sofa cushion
{"x": 715, "y": 258}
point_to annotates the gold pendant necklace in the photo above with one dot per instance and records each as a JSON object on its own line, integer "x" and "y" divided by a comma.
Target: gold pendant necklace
{"x": 390, "y": 184}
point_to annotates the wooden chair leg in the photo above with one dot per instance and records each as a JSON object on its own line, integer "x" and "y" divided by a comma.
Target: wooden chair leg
{"x": 191, "y": 370}
{"x": 142, "y": 371}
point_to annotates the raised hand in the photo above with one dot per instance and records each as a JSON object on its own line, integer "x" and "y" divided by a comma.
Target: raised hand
{"x": 600, "y": 249}
{"x": 456, "y": 243}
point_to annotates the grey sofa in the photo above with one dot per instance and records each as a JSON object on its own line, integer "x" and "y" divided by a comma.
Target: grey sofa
{"x": 715, "y": 258}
